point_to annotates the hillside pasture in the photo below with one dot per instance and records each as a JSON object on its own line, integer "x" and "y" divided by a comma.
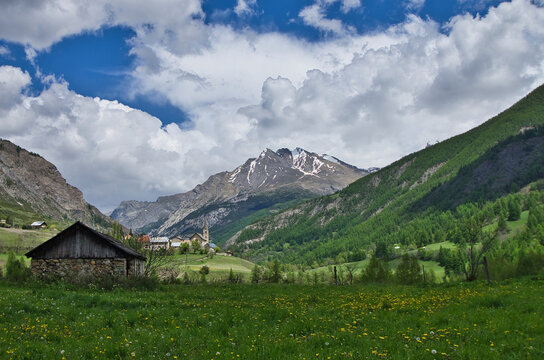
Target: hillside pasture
{"x": 219, "y": 265}
{"x": 20, "y": 241}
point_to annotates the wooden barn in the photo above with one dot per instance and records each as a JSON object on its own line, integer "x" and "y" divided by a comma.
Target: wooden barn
{"x": 80, "y": 251}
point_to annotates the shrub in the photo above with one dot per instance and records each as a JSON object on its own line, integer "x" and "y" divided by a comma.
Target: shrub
{"x": 205, "y": 270}
{"x": 16, "y": 269}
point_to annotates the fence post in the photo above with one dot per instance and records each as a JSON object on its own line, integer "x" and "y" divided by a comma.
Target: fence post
{"x": 486, "y": 270}
{"x": 423, "y": 270}
{"x": 335, "y": 276}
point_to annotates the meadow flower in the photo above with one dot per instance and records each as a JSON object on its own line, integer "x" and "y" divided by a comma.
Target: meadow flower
{"x": 433, "y": 351}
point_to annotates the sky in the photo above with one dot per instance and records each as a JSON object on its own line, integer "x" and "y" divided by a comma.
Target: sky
{"x": 134, "y": 99}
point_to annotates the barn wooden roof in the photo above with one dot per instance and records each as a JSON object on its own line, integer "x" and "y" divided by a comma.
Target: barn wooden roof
{"x": 107, "y": 240}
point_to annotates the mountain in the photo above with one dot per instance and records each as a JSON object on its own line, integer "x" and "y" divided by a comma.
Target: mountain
{"x": 32, "y": 187}
{"x": 229, "y": 200}
{"x": 410, "y": 201}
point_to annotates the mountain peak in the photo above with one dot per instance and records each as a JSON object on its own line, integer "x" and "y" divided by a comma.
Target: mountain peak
{"x": 270, "y": 171}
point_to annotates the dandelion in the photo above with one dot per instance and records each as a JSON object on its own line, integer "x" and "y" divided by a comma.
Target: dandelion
{"x": 218, "y": 353}
{"x": 326, "y": 343}
{"x": 433, "y": 351}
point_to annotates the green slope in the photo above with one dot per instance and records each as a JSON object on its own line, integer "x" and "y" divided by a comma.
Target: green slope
{"x": 394, "y": 205}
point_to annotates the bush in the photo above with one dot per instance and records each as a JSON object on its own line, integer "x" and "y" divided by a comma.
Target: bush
{"x": 530, "y": 263}
{"x": 16, "y": 269}
{"x": 234, "y": 278}
{"x": 205, "y": 270}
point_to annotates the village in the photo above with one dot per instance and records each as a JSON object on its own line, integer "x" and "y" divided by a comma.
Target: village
{"x": 80, "y": 251}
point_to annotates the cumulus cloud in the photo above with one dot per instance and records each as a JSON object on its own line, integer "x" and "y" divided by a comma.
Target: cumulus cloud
{"x": 12, "y": 81}
{"x": 426, "y": 86}
{"x": 315, "y": 15}
{"x": 111, "y": 150}
{"x": 39, "y": 24}
{"x": 366, "y": 99}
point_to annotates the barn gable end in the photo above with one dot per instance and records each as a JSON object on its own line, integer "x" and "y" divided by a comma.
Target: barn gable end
{"x": 82, "y": 251}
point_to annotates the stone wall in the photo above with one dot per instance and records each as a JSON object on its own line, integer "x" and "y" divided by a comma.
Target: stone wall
{"x": 74, "y": 268}
{"x": 135, "y": 267}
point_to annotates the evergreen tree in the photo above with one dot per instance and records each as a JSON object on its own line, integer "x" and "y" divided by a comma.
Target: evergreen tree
{"x": 536, "y": 217}
{"x": 116, "y": 231}
{"x": 377, "y": 271}
{"x": 514, "y": 209}
{"x": 409, "y": 271}
{"x": 276, "y": 272}
{"x": 502, "y": 226}
{"x": 256, "y": 274}
{"x": 382, "y": 251}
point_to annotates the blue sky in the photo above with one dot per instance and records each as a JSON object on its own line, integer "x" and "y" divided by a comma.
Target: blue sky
{"x": 132, "y": 99}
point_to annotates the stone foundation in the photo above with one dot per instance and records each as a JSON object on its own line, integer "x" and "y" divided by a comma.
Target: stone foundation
{"x": 76, "y": 268}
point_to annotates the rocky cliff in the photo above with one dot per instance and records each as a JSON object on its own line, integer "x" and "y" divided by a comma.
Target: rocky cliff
{"x": 28, "y": 181}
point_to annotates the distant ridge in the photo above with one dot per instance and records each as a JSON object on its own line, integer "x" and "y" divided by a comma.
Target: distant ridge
{"x": 270, "y": 181}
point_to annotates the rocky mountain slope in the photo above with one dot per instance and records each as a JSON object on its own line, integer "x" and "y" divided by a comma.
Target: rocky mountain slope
{"x": 273, "y": 178}
{"x": 29, "y": 182}
{"x": 498, "y": 157}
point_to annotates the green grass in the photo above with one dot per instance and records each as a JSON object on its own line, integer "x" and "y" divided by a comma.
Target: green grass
{"x": 444, "y": 244}
{"x": 21, "y": 241}
{"x": 433, "y": 266}
{"x": 218, "y": 264}
{"x": 516, "y": 226}
{"x": 462, "y": 321}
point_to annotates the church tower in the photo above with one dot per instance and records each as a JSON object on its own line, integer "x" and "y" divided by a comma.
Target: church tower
{"x": 205, "y": 232}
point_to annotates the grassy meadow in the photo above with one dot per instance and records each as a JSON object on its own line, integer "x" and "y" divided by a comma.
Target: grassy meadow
{"x": 219, "y": 263}
{"x": 20, "y": 241}
{"x": 460, "y": 321}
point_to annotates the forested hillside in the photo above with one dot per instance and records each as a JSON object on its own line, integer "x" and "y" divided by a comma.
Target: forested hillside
{"x": 420, "y": 199}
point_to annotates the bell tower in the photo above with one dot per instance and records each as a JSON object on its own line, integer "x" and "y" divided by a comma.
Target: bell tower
{"x": 206, "y": 232}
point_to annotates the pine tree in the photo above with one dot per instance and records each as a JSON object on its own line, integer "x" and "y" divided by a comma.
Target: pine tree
{"x": 256, "y": 274}
{"x": 376, "y": 271}
{"x": 409, "y": 271}
{"x": 514, "y": 209}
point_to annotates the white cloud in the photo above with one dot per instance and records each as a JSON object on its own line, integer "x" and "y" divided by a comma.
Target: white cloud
{"x": 348, "y": 5}
{"x": 391, "y": 100}
{"x": 110, "y": 150}
{"x": 366, "y": 99}
{"x": 315, "y": 15}
{"x": 415, "y": 4}
{"x": 4, "y": 51}
{"x": 39, "y": 24}
{"x": 12, "y": 82}
{"x": 245, "y": 7}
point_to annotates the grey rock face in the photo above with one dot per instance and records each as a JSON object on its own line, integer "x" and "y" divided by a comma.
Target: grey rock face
{"x": 28, "y": 180}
